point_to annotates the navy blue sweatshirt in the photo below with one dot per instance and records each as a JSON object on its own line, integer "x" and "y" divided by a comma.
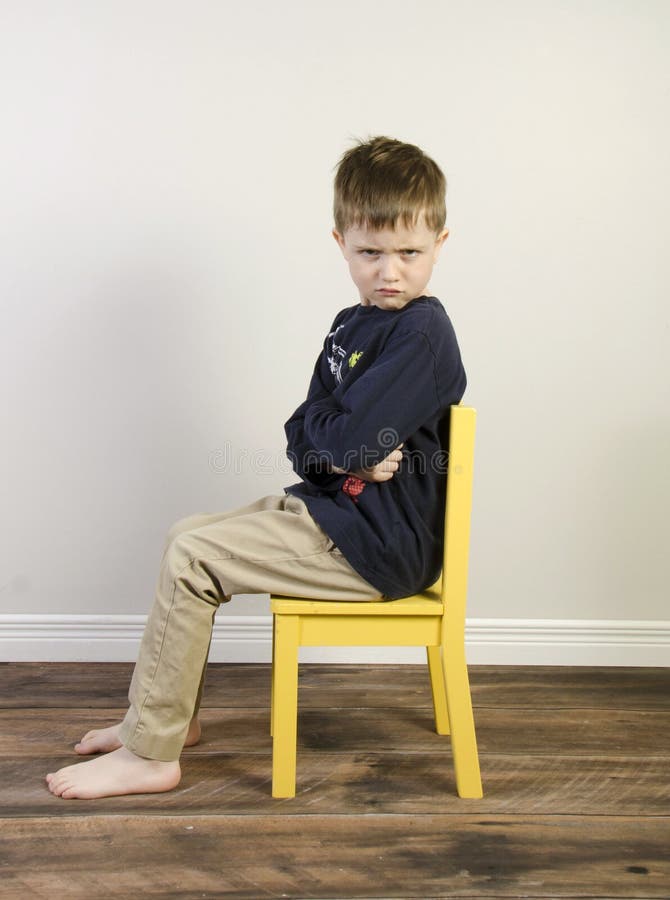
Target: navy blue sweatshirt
{"x": 384, "y": 377}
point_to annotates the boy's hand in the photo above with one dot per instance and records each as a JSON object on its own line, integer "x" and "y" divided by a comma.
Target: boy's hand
{"x": 383, "y": 471}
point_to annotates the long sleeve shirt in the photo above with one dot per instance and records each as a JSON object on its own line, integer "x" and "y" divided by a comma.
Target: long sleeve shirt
{"x": 384, "y": 377}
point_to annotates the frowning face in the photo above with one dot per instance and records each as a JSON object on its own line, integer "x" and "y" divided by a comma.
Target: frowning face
{"x": 392, "y": 266}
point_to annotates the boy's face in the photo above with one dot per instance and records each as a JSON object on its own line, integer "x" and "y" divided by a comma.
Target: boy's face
{"x": 393, "y": 266}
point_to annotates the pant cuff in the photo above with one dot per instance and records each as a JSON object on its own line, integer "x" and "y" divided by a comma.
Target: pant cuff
{"x": 133, "y": 738}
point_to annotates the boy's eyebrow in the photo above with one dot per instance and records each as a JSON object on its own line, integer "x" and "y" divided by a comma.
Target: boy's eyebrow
{"x": 372, "y": 246}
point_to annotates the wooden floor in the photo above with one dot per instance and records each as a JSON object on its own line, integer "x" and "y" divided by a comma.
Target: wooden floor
{"x": 575, "y": 764}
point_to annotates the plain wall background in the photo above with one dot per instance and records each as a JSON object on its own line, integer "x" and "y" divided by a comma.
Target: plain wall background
{"x": 167, "y": 275}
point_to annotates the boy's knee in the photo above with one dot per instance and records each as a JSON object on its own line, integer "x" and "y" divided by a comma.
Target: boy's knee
{"x": 179, "y": 550}
{"x": 186, "y": 563}
{"x": 178, "y": 528}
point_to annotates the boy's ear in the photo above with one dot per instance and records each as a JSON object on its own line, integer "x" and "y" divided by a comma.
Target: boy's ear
{"x": 339, "y": 238}
{"x": 439, "y": 242}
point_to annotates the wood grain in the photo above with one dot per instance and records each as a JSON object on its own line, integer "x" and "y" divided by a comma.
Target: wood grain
{"x": 509, "y": 731}
{"x": 575, "y": 764}
{"x": 93, "y": 685}
{"x": 362, "y": 784}
{"x": 323, "y": 856}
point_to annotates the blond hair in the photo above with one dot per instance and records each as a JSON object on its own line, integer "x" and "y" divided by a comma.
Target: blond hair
{"x": 382, "y": 181}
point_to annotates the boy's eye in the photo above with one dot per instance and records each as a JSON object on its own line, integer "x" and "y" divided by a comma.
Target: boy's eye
{"x": 369, "y": 252}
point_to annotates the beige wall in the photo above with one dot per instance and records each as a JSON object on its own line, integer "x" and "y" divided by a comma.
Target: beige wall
{"x": 167, "y": 275}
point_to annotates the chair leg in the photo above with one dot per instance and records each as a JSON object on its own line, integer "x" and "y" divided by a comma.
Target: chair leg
{"x": 461, "y": 720}
{"x": 272, "y": 682}
{"x": 438, "y": 689}
{"x": 285, "y": 705}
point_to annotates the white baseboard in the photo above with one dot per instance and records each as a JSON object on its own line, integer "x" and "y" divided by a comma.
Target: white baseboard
{"x": 579, "y": 642}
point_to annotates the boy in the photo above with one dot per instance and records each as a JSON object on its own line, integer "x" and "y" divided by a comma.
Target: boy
{"x": 365, "y": 521}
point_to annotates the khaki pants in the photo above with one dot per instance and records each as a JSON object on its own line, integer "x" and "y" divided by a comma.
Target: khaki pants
{"x": 271, "y": 546}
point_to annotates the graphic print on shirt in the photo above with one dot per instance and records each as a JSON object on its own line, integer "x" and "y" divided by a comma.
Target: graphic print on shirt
{"x": 336, "y": 355}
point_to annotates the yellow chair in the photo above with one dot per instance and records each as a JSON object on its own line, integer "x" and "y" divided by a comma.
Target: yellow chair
{"x": 434, "y": 619}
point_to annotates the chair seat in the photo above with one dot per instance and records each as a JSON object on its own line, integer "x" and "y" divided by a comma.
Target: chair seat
{"x": 428, "y": 603}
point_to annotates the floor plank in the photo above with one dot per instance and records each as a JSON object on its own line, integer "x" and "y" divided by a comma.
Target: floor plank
{"x": 322, "y": 856}
{"x": 91, "y": 685}
{"x": 510, "y": 731}
{"x": 362, "y": 784}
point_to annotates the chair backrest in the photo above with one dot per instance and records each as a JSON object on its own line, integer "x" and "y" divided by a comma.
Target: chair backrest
{"x": 457, "y": 514}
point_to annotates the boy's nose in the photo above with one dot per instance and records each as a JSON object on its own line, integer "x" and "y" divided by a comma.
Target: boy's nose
{"x": 388, "y": 271}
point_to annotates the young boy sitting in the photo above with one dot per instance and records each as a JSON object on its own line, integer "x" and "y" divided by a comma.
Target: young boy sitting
{"x": 366, "y": 520}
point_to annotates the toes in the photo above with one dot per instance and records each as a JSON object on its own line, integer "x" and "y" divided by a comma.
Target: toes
{"x": 56, "y": 780}
{"x": 87, "y": 745}
{"x": 60, "y": 782}
{"x": 69, "y": 793}
{"x": 63, "y": 787}
{"x": 52, "y": 782}
{"x": 55, "y": 785}
{"x": 53, "y": 778}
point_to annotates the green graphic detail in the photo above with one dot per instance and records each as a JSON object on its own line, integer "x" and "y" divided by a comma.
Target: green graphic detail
{"x": 353, "y": 359}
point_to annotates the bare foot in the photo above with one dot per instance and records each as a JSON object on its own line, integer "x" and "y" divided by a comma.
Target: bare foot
{"x": 118, "y": 772}
{"x": 104, "y": 740}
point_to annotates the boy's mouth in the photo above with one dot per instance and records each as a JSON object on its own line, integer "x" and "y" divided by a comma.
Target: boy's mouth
{"x": 388, "y": 291}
